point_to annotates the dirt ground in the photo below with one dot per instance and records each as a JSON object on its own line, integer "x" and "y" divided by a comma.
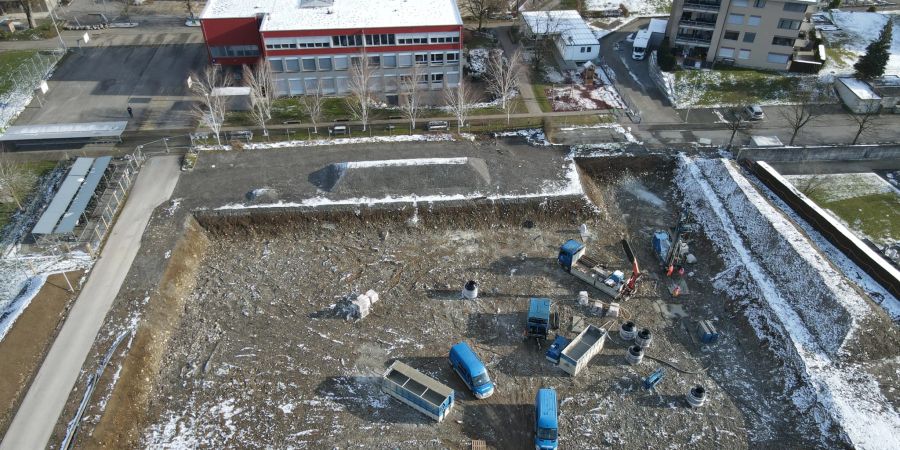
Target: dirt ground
{"x": 259, "y": 357}
{"x": 23, "y": 348}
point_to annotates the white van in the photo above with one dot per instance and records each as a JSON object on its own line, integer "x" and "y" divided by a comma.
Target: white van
{"x": 641, "y": 42}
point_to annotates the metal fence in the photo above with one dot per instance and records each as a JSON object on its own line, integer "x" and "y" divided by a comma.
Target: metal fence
{"x": 25, "y": 78}
{"x": 660, "y": 80}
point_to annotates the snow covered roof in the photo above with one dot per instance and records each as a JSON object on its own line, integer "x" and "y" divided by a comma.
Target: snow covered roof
{"x": 289, "y": 15}
{"x": 231, "y": 91}
{"x": 567, "y": 23}
{"x": 860, "y": 88}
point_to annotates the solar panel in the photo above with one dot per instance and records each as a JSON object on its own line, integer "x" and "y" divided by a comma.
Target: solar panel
{"x": 70, "y": 219}
{"x": 60, "y": 202}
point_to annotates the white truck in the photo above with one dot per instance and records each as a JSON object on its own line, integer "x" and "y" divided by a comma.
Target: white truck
{"x": 582, "y": 349}
{"x": 641, "y": 42}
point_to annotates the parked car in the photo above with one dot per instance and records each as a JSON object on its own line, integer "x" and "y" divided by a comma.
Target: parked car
{"x": 754, "y": 112}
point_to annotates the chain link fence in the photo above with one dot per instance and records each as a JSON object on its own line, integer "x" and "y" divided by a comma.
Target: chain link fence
{"x": 109, "y": 203}
{"x": 18, "y": 84}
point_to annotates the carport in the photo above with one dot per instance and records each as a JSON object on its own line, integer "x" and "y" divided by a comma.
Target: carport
{"x": 64, "y": 133}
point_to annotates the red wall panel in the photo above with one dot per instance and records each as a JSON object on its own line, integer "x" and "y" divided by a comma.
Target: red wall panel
{"x": 241, "y": 31}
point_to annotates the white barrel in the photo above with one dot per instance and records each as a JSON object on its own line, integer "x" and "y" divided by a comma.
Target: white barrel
{"x": 470, "y": 290}
{"x": 583, "y": 298}
{"x": 634, "y": 355}
{"x": 626, "y": 331}
{"x": 643, "y": 338}
{"x": 696, "y": 397}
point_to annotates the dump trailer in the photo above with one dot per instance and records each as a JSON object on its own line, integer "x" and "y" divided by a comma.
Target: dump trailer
{"x": 579, "y": 352}
{"x": 573, "y": 259}
{"x": 418, "y": 390}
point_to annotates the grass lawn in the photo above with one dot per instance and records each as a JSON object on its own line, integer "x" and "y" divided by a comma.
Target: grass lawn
{"x": 9, "y": 62}
{"x": 736, "y": 87}
{"x": 540, "y": 94}
{"x": 38, "y": 168}
{"x": 864, "y": 201}
{"x": 567, "y": 4}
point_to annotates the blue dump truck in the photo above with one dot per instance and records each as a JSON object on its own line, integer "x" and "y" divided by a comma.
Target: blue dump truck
{"x": 545, "y": 421}
{"x": 467, "y": 365}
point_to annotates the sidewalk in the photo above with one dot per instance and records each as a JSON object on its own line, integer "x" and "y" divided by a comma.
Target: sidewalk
{"x": 525, "y": 89}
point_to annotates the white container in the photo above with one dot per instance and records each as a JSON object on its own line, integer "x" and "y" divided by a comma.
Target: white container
{"x": 373, "y": 296}
{"x": 583, "y": 298}
{"x": 613, "y": 310}
{"x": 470, "y": 290}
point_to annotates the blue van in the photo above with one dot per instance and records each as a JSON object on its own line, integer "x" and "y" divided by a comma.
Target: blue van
{"x": 545, "y": 423}
{"x": 467, "y": 365}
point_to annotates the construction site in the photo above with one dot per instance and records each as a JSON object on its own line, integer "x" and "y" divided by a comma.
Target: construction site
{"x": 248, "y": 331}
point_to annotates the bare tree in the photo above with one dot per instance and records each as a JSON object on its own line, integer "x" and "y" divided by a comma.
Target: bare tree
{"x": 210, "y": 109}
{"x": 864, "y": 120}
{"x": 360, "y": 87}
{"x": 312, "y": 104}
{"x": 546, "y": 29}
{"x": 15, "y": 181}
{"x": 261, "y": 82}
{"x": 460, "y": 101}
{"x": 411, "y": 94}
{"x": 503, "y": 78}
{"x": 27, "y": 9}
{"x": 189, "y": 7}
{"x": 798, "y": 115}
{"x": 481, "y": 9}
{"x": 734, "y": 121}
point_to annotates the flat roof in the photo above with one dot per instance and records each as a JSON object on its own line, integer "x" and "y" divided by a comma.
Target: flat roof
{"x": 289, "y": 15}
{"x": 63, "y": 197}
{"x": 568, "y": 23}
{"x": 658, "y": 25}
{"x": 85, "y": 193}
{"x": 64, "y": 131}
{"x": 860, "y": 88}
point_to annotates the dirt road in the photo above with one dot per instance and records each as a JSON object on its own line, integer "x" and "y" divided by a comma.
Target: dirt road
{"x": 38, "y": 413}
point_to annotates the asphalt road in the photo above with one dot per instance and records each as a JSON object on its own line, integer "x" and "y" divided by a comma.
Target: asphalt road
{"x": 38, "y": 414}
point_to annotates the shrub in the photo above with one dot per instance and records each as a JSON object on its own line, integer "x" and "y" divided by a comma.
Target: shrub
{"x": 664, "y": 56}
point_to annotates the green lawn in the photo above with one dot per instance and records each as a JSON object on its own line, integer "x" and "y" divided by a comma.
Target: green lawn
{"x": 540, "y": 94}
{"x": 38, "y": 168}
{"x": 736, "y": 87}
{"x": 9, "y": 62}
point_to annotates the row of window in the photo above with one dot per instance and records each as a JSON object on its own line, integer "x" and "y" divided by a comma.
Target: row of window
{"x": 371, "y": 40}
{"x": 234, "y": 51}
{"x": 754, "y": 21}
{"x": 750, "y": 37}
{"x": 273, "y": 46}
{"x": 586, "y": 49}
{"x": 340, "y": 85}
{"x": 386, "y": 61}
{"x": 744, "y": 54}
{"x": 791, "y": 7}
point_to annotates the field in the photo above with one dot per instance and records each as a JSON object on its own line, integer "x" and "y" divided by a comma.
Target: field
{"x": 736, "y": 87}
{"x": 36, "y": 169}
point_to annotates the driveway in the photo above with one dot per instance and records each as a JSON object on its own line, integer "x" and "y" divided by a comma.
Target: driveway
{"x": 39, "y": 411}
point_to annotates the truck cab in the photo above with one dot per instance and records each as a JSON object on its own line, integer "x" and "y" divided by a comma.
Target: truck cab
{"x": 538, "y": 322}
{"x": 641, "y": 42}
{"x": 546, "y": 433}
{"x": 472, "y": 371}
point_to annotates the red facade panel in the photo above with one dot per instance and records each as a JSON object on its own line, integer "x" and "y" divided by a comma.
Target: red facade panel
{"x": 239, "y": 31}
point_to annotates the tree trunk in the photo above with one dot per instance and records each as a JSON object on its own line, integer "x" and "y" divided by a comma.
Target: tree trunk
{"x": 794, "y": 136}
{"x": 858, "y": 133}
{"x": 733, "y": 132}
{"x": 26, "y": 6}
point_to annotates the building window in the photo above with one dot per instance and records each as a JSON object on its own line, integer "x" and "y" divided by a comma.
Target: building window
{"x": 292, "y": 65}
{"x": 234, "y": 51}
{"x": 309, "y": 64}
{"x": 340, "y": 63}
{"x": 754, "y": 21}
{"x": 390, "y": 83}
{"x": 423, "y": 79}
{"x": 726, "y": 52}
{"x": 277, "y": 65}
{"x": 380, "y": 39}
{"x": 406, "y": 60}
{"x": 325, "y": 64}
{"x": 744, "y": 54}
{"x": 795, "y": 7}
{"x": 388, "y": 61}
{"x": 437, "y": 78}
{"x": 736, "y": 19}
{"x": 328, "y": 85}
{"x": 412, "y": 40}
{"x": 783, "y": 41}
{"x": 453, "y": 79}
{"x": 759, "y": 3}
{"x": 777, "y": 58}
{"x": 375, "y": 61}
{"x": 437, "y": 58}
{"x": 343, "y": 85}
{"x": 296, "y": 87}
{"x": 731, "y": 35}
{"x": 789, "y": 24}
{"x": 740, "y": 3}
{"x": 749, "y": 37}
{"x": 452, "y": 57}
{"x": 347, "y": 41}
{"x": 421, "y": 58}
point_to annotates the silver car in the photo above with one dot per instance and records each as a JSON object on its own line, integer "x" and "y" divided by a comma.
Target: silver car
{"x": 754, "y": 112}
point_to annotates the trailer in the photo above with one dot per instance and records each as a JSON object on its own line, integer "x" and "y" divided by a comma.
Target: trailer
{"x": 582, "y": 349}
{"x": 418, "y": 390}
{"x": 573, "y": 260}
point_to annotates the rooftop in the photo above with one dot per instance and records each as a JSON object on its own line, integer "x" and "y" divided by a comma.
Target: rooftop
{"x": 288, "y": 15}
{"x": 567, "y": 23}
{"x": 860, "y": 88}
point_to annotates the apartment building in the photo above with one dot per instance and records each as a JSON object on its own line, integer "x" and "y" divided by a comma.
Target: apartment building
{"x": 762, "y": 34}
{"x": 312, "y": 44}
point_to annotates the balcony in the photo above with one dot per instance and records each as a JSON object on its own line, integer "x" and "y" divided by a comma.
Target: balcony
{"x": 700, "y": 5}
{"x": 693, "y": 40}
{"x": 700, "y": 24}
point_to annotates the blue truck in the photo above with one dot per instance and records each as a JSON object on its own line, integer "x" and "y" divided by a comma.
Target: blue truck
{"x": 572, "y": 259}
{"x": 541, "y": 319}
{"x": 546, "y": 432}
{"x": 472, "y": 371}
